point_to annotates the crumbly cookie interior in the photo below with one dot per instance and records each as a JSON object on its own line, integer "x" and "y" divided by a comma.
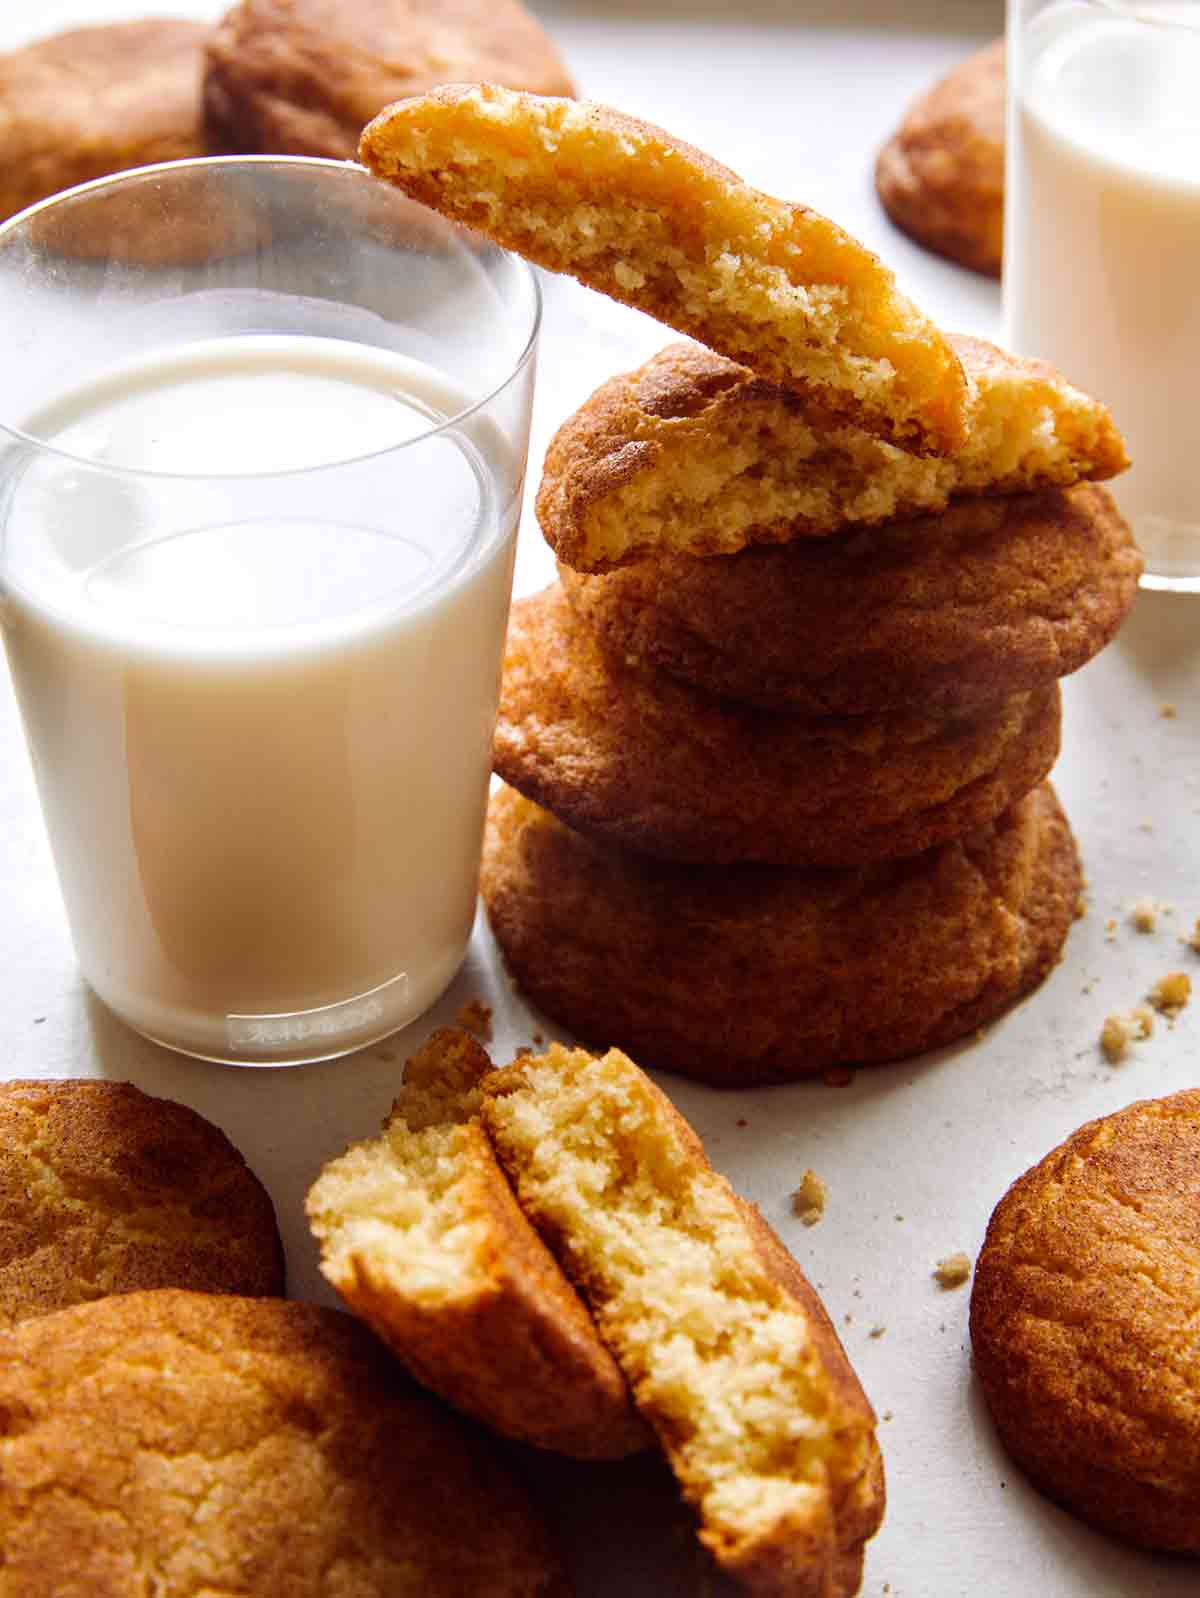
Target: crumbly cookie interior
{"x": 761, "y": 470}
{"x": 646, "y": 219}
{"x": 403, "y": 1205}
{"x": 720, "y": 1358}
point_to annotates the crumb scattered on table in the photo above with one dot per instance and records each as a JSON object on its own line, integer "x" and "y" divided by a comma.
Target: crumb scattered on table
{"x": 1194, "y": 941}
{"x": 1167, "y": 711}
{"x": 476, "y": 1016}
{"x": 1144, "y": 915}
{"x": 808, "y": 1201}
{"x": 1122, "y": 1028}
{"x": 877, "y": 1331}
{"x": 953, "y": 1271}
{"x": 1170, "y": 993}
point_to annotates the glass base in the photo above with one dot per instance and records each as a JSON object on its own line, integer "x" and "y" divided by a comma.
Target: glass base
{"x": 301, "y": 1037}
{"x": 1171, "y": 551}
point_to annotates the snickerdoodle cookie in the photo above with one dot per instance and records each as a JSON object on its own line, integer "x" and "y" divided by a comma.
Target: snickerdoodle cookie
{"x": 641, "y": 760}
{"x": 1083, "y": 1322}
{"x": 422, "y": 1237}
{"x": 82, "y": 104}
{"x": 941, "y": 174}
{"x": 728, "y": 1350}
{"x": 693, "y": 454}
{"x": 104, "y": 1189}
{"x": 301, "y": 77}
{"x": 183, "y": 1444}
{"x": 632, "y": 211}
{"x": 748, "y": 974}
{"x": 946, "y": 612}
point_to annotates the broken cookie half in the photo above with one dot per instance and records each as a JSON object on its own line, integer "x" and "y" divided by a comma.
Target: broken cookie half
{"x": 727, "y": 1349}
{"x": 643, "y": 217}
{"x": 422, "y": 1238}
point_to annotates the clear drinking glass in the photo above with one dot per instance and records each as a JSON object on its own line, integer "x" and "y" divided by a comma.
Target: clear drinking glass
{"x": 263, "y": 428}
{"x": 1102, "y": 242}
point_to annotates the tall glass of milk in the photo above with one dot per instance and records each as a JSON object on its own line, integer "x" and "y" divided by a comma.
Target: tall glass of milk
{"x": 1102, "y": 243}
{"x": 263, "y": 427}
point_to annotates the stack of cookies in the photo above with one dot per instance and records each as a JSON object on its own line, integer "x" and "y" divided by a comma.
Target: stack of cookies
{"x": 776, "y": 743}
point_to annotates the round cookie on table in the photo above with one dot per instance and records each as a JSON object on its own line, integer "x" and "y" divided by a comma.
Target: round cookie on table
{"x": 82, "y": 104}
{"x": 422, "y": 1238}
{"x": 741, "y": 975}
{"x": 104, "y": 1189}
{"x": 941, "y": 174}
{"x": 948, "y": 612}
{"x": 1084, "y": 1311}
{"x": 641, "y": 760}
{"x": 244, "y": 1445}
{"x": 302, "y": 77}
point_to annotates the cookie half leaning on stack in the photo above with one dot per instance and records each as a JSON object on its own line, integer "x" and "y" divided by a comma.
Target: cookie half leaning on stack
{"x": 802, "y": 672}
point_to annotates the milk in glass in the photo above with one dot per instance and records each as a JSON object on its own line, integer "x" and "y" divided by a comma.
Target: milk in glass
{"x": 262, "y": 747}
{"x": 1102, "y": 255}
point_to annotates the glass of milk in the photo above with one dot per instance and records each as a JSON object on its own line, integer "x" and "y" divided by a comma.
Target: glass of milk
{"x": 1102, "y": 243}
{"x": 263, "y": 428}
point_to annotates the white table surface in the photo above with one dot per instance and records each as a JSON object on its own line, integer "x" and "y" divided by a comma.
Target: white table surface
{"x": 797, "y": 97}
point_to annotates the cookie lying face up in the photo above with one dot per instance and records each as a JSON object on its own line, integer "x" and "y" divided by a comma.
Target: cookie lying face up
{"x": 183, "y": 1443}
{"x": 421, "y": 1236}
{"x": 105, "y": 1189}
{"x": 631, "y": 211}
{"x": 941, "y": 174}
{"x": 728, "y": 1350}
{"x": 82, "y": 104}
{"x": 1084, "y": 1312}
{"x": 301, "y": 77}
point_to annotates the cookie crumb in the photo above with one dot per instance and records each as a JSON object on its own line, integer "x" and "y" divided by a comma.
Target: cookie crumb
{"x": 1144, "y": 915}
{"x": 877, "y": 1331}
{"x": 1081, "y": 907}
{"x": 742, "y": 1121}
{"x": 1122, "y": 1028}
{"x": 953, "y": 1271}
{"x": 1110, "y": 928}
{"x": 476, "y": 1017}
{"x": 837, "y": 1076}
{"x": 808, "y": 1201}
{"x": 1194, "y": 941}
{"x": 1167, "y": 710}
{"x": 1170, "y": 993}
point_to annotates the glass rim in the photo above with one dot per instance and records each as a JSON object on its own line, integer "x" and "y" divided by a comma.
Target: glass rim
{"x": 115, "y": 180}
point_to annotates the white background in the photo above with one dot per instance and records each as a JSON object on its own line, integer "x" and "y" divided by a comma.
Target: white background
{"x": 797, "y": 97}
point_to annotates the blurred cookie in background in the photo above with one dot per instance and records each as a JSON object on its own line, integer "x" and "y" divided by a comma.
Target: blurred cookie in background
{"x": 82, "y": 104}
{"x": 105, "y": 1189}
{"x": 941, "y": 174}
{"x": 302, "y": 77}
